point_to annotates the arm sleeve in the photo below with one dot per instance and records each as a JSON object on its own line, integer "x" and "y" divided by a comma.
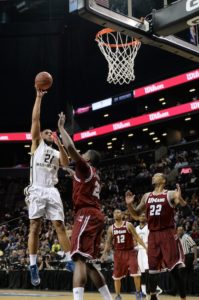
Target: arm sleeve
{"x": 82, "y": 169}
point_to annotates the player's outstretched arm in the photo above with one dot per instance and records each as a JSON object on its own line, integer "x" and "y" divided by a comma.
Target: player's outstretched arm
{"x": 131, "y": 228}
{"x": 66, "y": 139}
{"x": 35, "y": 127}
{"x": 134, "y": 211}
{"x": 176, "y": 197}
{"x": 63, "y": 156}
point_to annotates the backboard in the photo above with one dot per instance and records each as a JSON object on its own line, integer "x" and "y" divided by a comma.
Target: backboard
{"x": 143, "y": 19}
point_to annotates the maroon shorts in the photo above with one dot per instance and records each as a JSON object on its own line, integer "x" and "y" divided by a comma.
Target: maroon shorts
{"x": 125, "y": 261}
{"x": 87, "y": 231}
{"x": 164, "y": 248}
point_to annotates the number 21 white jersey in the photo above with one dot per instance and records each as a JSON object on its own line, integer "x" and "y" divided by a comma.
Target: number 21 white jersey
{"x": 44, "y": 166}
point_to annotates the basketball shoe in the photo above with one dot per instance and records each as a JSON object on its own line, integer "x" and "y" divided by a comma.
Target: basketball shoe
{"x": 34, "y": 275}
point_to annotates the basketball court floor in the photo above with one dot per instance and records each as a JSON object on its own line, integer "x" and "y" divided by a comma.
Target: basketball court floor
{"x": 31, "y": 295}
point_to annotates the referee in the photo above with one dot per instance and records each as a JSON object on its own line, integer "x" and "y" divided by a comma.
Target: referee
{"x": 190, "y": 253}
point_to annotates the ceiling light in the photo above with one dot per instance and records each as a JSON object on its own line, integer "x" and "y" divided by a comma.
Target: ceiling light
{"x": 187, "y": 119}
{"x": 146, "y": 107}
{"x": 130, "y": 134}
{"x": 114, "y": 139}
{"x": 145, "y": 129}
{"x": 152, "y": 133}
{"x": 122, "y": 148}
{"x": 192, "y": 90}
{"x": 155, "y": 138}
{"x": 26, "y": 146}
{"x": 109, "y": 143}
{"x": 106, "y": 115}
{"x": 90, "y": 143}
{"x": 163, "y": 103}
{"x": 164, "y": 134}
{"x": 157, "y": 141}
{"x": 161, "y": 99}
{"x": 109, "y": 147}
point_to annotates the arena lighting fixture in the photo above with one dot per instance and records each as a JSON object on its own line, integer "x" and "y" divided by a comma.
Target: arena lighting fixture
{"x": 161, "y": 99}
{"x": 122, "y": 148}
{"x": 109, "y": 147}
{"x": 24, "y": 5}
{"x": 146, "y": 107}
{"x": 106, "y": 115}
{"x": 192, "y": 90}
{"x": 130, "y": 134}
{"x": 155, "y": 138}
{"x": 145, "y": 129}
{"x": 151, "y": 133}
{"x": 114, "y": 139}
{"x": 109, "y": 143}
{"x": 187, "y": 119}
{"x": 163, "y": 103}
{"x": 26, "y": 146}
{"x": 90, "y": 143}
{"x": 157, "y": 141}
{"x": 164, "y": 134}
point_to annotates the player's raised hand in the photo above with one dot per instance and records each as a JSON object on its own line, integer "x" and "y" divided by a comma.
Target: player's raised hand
{"x": 178, "y": 191}
{"x": 62, "y": 119}
{"x": 40, "y": 93}
{"x": 129, "y": 197}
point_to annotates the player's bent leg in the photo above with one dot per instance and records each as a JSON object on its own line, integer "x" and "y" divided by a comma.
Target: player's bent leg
{"x": 137, "y": 282}
{"x": 79, "y": 277}
{"x": 33, "y": 242}
{"x": 64, "y": 242}
{"x": 99, "y": 281}
{"x": 179, "y": 277}
{"x": 117, "y": 285}
{"x": 62, "y": 235}
{"x": 153, "y": 283}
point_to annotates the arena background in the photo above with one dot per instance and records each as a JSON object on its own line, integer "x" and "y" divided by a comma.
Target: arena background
{"x": 44, "y": 36}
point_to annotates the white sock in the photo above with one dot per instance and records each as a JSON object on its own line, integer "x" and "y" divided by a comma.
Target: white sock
{"x": 67, "y": 255}
{"x": 33, "y": 259}
{"x": 78, "y": 293}
{"x": 104, "y": 291}
{"x": 143, "y": 286}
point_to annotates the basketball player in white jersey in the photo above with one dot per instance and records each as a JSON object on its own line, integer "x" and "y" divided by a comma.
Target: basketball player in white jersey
{"x": 143, "y": 232}
{"x": 42, "y": 198}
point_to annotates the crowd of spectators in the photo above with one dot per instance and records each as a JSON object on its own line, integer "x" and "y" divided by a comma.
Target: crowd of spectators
{"x": 117, "y": 176}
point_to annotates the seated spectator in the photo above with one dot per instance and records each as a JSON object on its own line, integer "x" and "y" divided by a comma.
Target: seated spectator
{"x": 56, "y": 246}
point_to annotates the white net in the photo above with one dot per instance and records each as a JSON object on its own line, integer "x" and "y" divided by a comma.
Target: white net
{"x": 120, "y": 51}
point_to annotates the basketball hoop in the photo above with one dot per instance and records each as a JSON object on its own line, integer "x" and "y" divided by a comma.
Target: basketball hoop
{"x": 120, "y": 51}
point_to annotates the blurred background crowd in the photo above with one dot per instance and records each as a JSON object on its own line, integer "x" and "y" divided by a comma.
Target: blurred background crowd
{"x": 133, "y": 172}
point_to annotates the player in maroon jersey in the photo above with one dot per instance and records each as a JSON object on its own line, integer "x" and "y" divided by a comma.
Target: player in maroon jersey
{"x": 121, "y": 234}
{"x": 163, "y": 243}
{"x": 89, "y": 220}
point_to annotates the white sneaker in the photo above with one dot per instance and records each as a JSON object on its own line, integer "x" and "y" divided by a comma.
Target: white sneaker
{"x": 159, "y": 291}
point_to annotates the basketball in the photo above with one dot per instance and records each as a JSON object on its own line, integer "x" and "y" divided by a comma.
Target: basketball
{"x": 43, "y": 81}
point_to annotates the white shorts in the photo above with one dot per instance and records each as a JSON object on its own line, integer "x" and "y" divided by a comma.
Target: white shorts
{"x": 44, "y": 202}
{"x": 143, "y": 260}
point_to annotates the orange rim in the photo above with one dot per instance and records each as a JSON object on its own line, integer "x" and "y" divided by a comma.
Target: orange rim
{"x": 109, "y": 30}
